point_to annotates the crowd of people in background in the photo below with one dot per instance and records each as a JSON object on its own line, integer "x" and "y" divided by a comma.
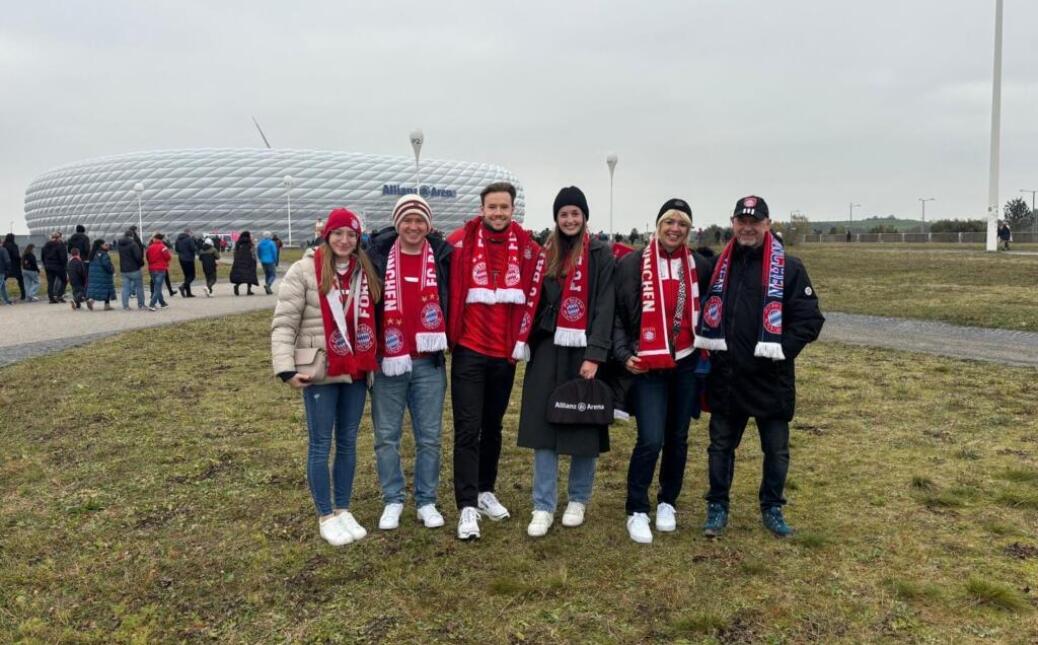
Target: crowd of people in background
{"x": 80, "y": 272}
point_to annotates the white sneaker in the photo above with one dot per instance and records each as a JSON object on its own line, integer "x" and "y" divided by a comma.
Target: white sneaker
{"x": 638, "y": 528}
{"x": 333, "y": 531}
{"x": 348, "y": 522}
{"x": 390, "y": 516}
{"x": 665, "y": 519}
{"x": 574, "y": 514}
{"x": 489, "y": 506}
{"x": 539, "y": 524}
{"x": 429, "y": 516}
{"x": 468, "y": 524}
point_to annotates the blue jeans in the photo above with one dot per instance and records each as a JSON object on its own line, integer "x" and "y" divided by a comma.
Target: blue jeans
{"x": 664, "y": 403}
{"x": 332, "y": 409}
{"x": 270, "y": 273}
{"x": 157, "y": 278}
{"x": 133, "y": 281}
{"x": 546, "y": 476}
{"x": 3, "y": 289}
{"x": 422, "y": 390}
{"x": 32, "y": 282}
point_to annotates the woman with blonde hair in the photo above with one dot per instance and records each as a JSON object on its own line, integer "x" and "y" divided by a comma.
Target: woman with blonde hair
{"x": 323, "y": 342}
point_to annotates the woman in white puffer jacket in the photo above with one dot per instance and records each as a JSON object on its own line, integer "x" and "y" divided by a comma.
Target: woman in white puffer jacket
{"x": 323, "y": 342}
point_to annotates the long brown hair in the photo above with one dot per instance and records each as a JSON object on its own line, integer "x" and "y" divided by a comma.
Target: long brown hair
{"x": 328, "y": 270}
{"x": 561, "y": 251}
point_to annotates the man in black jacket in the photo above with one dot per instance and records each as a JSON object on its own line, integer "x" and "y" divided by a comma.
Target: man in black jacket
{"x": 131, "y": 259}
{"x": 754, "y": 317}
{"x": 186, "y": 250}
{"x": 80, "y": 240}
{"x": 55, "y": 260}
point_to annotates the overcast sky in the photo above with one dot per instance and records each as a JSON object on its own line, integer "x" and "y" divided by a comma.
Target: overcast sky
{"x": 810, "y": 104}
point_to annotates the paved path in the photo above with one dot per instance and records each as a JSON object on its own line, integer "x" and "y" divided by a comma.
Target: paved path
{"x": 977, "y": 343}
{"x": 38, "y": 328}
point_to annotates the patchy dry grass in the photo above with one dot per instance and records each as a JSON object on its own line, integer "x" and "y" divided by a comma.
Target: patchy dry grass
{"x": 153, "y": 493}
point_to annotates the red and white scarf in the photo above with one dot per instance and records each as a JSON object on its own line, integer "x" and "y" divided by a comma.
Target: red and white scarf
{"x": 348, "y": 314}
{"x": 571, "y": 320}
{"x": 432, "y": 331}
{"x": 507, "y": 288}
{"x": 654, "y": 339}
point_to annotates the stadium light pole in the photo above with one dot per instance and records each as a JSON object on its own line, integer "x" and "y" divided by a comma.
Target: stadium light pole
{"x": 139, "y": 189}
{"x": 611, "y": 160}
{"x": 1034, "y": 215}
{"x": 853, "y": 206}
{"x": 996, "y": 114}
{"x": 417, "y": 139}
{"x": 288, "y": 182}
{"x": 923, "y": 200}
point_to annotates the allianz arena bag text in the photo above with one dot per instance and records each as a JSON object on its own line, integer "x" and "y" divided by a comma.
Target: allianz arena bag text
{"x": 581, "y": 401}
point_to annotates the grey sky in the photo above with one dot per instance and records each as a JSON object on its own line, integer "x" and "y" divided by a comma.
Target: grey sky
{"x": 810, "y": 104}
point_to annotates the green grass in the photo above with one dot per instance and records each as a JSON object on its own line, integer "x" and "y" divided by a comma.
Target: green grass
{"x": 152, "y": 493}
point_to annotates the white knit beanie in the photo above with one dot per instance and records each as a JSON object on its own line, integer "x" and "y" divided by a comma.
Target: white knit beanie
{"x": 409, "y": 204}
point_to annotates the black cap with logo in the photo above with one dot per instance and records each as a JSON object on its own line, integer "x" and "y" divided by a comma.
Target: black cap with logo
{"x": 752, "y": 206}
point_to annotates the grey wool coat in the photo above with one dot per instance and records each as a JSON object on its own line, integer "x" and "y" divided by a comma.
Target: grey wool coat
{"x": 551, "y": 365}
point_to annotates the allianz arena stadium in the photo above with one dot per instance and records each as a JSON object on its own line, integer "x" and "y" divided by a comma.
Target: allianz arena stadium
{"x": 224, "y": 191}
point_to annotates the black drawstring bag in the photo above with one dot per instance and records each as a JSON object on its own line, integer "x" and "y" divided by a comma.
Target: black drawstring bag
{"x": 581, "y": 401}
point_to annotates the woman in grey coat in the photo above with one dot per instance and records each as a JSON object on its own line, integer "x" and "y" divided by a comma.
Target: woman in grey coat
{"x": 570, "y": 337}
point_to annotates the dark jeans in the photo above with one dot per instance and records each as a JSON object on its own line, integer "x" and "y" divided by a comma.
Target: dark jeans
{"x": 480, "y": 389}
{"x": 664, "y": 403}
{"x": 725, "y": 435}
{"x": 56, "y": 282}
{"x": 188, "y": 267}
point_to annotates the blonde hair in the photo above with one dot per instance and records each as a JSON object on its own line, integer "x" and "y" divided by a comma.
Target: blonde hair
{"x": 681, "y": 215}
{"x": 560, "y": 253}
{"x": 328, "y": 270}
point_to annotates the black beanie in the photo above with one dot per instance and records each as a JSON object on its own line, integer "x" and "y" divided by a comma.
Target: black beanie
{"x": 675, "y": 205}
{"x": 570, "y": 196}
{"x": 80, "y": 228}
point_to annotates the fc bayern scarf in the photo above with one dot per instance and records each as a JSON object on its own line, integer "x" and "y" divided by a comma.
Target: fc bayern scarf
{"x": 654, "y": 339}
{"x": 769, "y": 344}
{"x": 348, "y": 314}
{"x": 571, "y": 320}
{"x": 432, "y": 332}
{"x": 506, "y": 289}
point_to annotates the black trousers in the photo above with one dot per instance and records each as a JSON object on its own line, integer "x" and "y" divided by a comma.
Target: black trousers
{"x": 725, "y": 435}
{"x": 21, "y": 284}
{"x": 188, "y": 267}
{"x": 55, "y": 284}
{"x": 480, "y": 389}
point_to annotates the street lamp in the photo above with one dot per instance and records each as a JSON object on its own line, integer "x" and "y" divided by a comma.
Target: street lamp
{"x": 996, "y": 113}
{"x": 853, "y": 206}
{"x": 287, "y": 182}
{"x": 1034, "y": 215}
{"x": 922, "y": 201}
{"x": 139, "y": 189}
{"x": 417, "y": 139}
{"x": 611, "y": 160}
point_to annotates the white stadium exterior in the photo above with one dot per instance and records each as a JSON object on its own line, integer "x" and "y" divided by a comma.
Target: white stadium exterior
{"x": 230, "y": 190}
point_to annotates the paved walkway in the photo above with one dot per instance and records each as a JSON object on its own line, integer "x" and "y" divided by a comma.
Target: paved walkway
{"x": 34, "y": 329}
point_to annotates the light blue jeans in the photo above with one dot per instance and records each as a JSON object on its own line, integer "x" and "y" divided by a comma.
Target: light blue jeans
{"x": 332, "y": 410}
{"x": 157, "y": 278}
{"x": 3, "y": 289}
{"x": 132, "y": 281}
{"x": 32, "y": 282}
{"x": 422, "y": 391}
{"x": 546, "y": 476}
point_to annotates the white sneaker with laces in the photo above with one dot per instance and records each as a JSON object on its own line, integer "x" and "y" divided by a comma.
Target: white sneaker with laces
{"x": 489, "y": 506}
{"x": 540, "y": 524}
{"x": 638, "y": 528}
{"x": 333, "y": 531}
{"x": 390, "y": 516}
{"x": 468, "y": 524}
{"x": 573, "y": 515}
{"x": 349, "y": 523}
{"x": 665, "y": 518}
{"x": 429, "y": 516}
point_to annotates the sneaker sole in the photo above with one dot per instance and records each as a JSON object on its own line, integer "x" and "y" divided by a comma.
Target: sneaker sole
{"x": 666, "y": 529}
{"x": 468, "y": 537}
{"x": 713, "y": 533}
{"x": 493, "y": 518}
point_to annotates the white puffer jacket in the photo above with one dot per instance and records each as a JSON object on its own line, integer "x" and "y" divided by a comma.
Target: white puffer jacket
{"x": 297, "y": 319}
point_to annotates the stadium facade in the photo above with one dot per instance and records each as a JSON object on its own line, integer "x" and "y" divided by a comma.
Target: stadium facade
{"x": 230, "y": 190}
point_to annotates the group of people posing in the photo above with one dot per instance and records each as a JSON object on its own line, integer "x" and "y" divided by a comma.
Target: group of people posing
{"x": 87, "y": 268}
{"x": 668, "y": 330}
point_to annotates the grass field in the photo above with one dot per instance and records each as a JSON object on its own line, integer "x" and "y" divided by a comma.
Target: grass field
{"x": 150, "y": 493}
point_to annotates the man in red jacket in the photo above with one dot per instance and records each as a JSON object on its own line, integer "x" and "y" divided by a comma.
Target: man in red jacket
{"x": 491, "y": 272}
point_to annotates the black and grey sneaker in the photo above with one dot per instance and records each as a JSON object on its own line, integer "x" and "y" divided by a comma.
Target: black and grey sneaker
{"x": 716, "y": 520}
{"x": 774, "y": 522}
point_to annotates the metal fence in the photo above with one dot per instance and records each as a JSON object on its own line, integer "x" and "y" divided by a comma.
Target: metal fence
{"x": 916, "y": 238}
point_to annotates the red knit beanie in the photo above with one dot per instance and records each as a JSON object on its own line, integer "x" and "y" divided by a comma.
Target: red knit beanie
{"x": 339, "y": 218}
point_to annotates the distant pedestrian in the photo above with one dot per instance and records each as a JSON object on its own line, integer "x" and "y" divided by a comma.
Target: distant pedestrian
{"x": 55, "y": 259}
{"x": 717, "y": 236}
{"x": 77, "y": 277}
{"x": 15, "y": 270}
{"x": 280, "y": 245}
{"x": 101, "y": 276}
{"x": 1005, "y": 235}
{"x": 5, "y": 268}
{"x": 159, "y": 256}
{"x": 30, "y": 272}
{"x": 80, "y": 240}
{"x": 267, "y": 253}
{"x": 243, "y": 270}
{"x": 131, "y": 261}
{"x": 186, "y": 251}
{"x": 208, "y": 257}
